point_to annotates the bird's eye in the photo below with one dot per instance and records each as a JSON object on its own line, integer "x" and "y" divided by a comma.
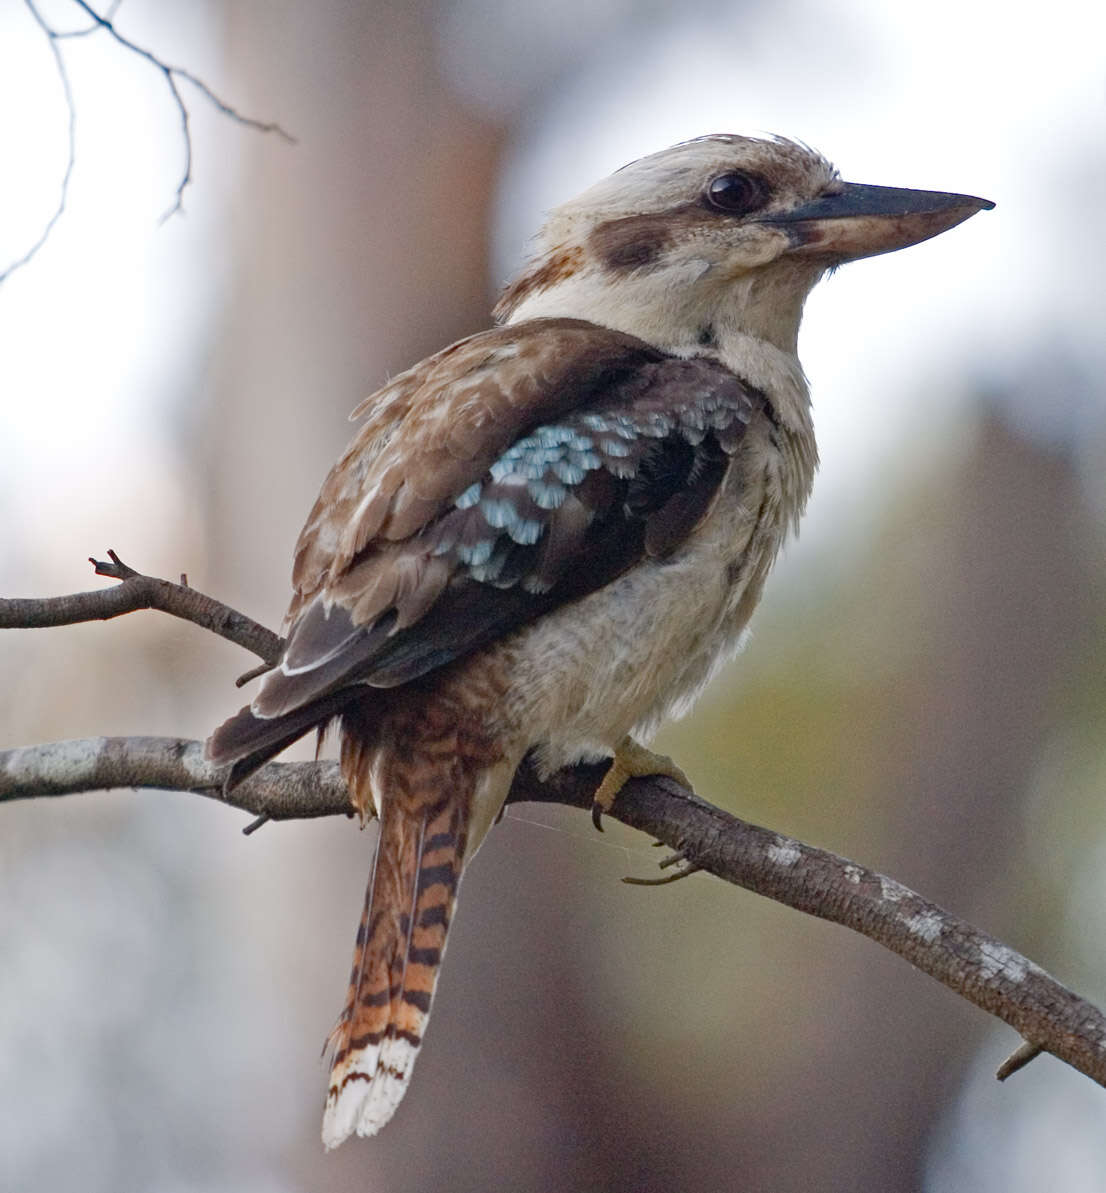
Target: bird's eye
{"x": 737, "y": 194}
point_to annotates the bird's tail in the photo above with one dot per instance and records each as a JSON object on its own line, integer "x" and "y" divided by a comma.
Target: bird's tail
{"x": 400, "y": 944}
{"x": 248, "y": 741}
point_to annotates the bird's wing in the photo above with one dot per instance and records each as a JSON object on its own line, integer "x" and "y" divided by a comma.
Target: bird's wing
{"x": 515, "y": 471}
{"x": 437, "y": 429}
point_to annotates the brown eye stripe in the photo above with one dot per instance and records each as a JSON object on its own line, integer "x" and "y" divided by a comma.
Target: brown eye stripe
{"x": 636, "y": 241}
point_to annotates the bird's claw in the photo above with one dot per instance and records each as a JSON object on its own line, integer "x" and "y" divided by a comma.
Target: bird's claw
{"x": 631, "y": 761}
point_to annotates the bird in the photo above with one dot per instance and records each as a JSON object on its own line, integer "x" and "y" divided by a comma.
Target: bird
{"x": 547, "y": 537}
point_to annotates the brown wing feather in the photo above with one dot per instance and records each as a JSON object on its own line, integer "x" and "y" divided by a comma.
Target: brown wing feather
{"x": 437, "y": 428}
{"x": 528, "y": 467}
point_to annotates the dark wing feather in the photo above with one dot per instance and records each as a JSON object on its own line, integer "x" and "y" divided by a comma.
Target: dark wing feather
{"x": 610, "y": 460}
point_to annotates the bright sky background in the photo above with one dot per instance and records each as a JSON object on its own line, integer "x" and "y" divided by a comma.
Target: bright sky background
{"x": 99, "y": 333}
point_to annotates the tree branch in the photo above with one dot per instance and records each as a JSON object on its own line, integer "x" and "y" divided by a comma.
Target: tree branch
{"x": 52, "y": 39}
{"x": 172, "y": 74}
{"x": 70, "y": 34}
{"x": 140, "y": 592}
{"x": 279, "y": 791}
{"x": 988, "y": 973}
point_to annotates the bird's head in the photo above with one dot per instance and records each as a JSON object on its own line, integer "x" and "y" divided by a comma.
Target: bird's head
{"x": 716, "y": 236}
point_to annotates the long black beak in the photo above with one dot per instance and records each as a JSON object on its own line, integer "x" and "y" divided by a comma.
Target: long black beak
{"x": 857, "y": 220}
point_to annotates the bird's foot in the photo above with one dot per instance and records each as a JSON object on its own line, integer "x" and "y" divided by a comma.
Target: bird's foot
{"x": 631, "y": 761}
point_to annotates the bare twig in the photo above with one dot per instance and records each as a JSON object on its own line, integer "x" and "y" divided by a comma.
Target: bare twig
{"x": 172, "y": 74}
{"x": 136, "y": 591}
{"x": 1018, "y": 1059}
{"x": 70, "y": 34}
{"x": 665, "y": 879}
{"x": 52, "y": 38}
{"x": 252, "y": 674}
{"x": 115, "y": 570}
{"x": 255, "y": 824}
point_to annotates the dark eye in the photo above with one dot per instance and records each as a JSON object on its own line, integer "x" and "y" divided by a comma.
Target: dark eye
{"x": 737, "y": 194}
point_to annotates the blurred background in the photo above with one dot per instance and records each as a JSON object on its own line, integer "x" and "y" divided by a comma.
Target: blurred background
{"x": 925, "y": 690}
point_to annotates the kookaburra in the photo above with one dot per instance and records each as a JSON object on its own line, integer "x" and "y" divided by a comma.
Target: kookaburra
{"x": 545, "y": 538}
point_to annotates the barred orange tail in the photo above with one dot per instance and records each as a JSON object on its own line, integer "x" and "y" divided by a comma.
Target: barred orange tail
{"x": 395, "y": 968}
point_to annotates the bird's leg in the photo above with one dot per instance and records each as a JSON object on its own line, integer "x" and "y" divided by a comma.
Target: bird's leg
{"x": 631, "y": 761}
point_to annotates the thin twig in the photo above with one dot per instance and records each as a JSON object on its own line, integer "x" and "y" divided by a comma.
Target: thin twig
{"x": 252, "y": 674}
{"x": 256, "y": 823}
{"x": 665, "y": 863}
{"x": 95, "y": 27}
{"x": 664, "y": 880}
{"x": 116, "y": 570}
{"x": 172, "y": 74}
{"x": 52, "y": 39}
{"x": 1018, "y": 1059}
{"x": 136, "y": 591}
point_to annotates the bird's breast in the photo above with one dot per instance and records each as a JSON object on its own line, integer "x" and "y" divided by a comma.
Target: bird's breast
{"x": 641, "y": 648}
